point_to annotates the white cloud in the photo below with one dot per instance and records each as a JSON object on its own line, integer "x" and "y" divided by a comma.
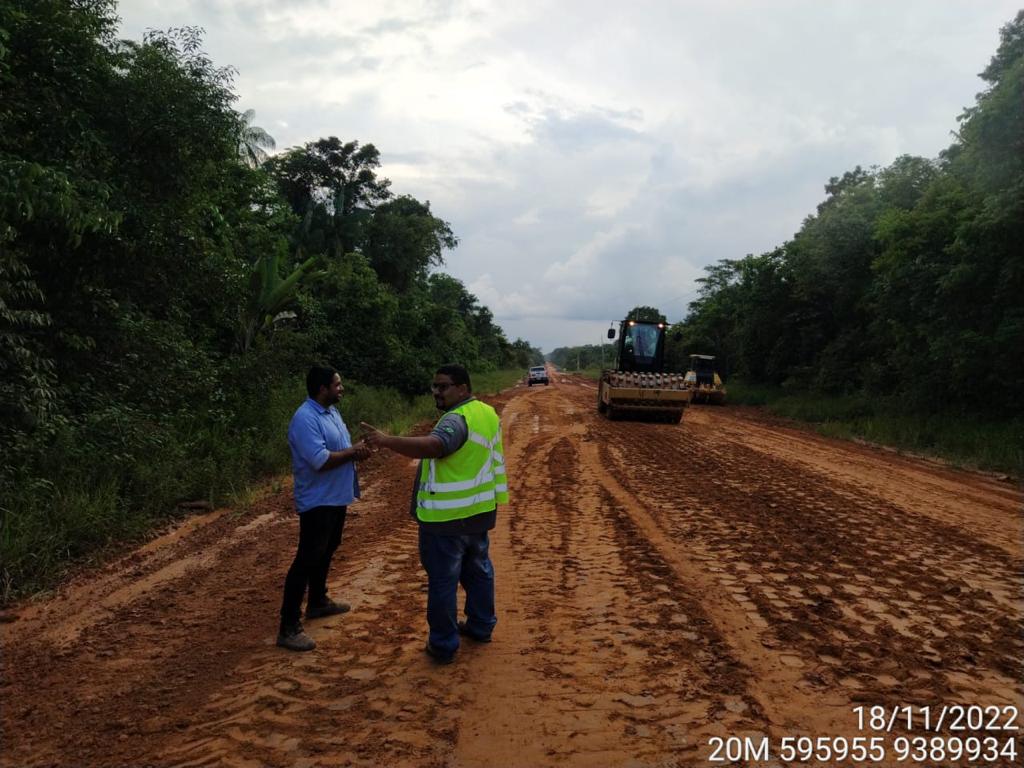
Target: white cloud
{"x": 592, "y": 157}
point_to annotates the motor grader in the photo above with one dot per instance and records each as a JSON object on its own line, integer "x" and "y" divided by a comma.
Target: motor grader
{"x": 638, "y": 386}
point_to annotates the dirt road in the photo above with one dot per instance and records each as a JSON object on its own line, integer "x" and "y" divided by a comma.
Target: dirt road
{"x": 658, "y": 585}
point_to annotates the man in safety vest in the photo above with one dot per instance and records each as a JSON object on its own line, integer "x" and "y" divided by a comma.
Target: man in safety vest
{"x": 459, "y": 484}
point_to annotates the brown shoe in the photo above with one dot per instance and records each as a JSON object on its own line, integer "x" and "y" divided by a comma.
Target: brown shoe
{"x": 295, "y": 639}
{"x": 326, "y": 608}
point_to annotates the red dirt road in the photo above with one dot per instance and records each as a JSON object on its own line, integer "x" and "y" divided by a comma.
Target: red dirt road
{"x": 658, "y": 585}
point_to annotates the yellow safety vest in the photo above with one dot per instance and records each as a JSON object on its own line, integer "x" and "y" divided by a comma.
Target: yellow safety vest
{"x": 471, "y": 480}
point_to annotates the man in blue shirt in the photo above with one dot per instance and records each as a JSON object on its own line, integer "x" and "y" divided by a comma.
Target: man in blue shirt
{"x": 323, "y": 464}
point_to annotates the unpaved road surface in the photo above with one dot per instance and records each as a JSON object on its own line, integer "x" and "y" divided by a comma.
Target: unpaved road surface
{"x": 657, "y": 586}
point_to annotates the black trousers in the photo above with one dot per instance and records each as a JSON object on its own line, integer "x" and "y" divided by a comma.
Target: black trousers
{"x": 319, "y": 536}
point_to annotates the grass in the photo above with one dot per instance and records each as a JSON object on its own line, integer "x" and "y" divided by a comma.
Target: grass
{"x": 81, "y": 504}
{"x": 963, "y": 440}
{"x": 492, "y": 382}
{"x": 593, "y": 372}
{"x": 388, "y": 410}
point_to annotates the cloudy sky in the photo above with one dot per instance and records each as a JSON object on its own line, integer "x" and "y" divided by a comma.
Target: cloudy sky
{"x": 592, "y": 156}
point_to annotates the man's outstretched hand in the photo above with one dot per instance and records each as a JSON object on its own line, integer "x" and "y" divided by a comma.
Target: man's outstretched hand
{"x": 425, "y": 447}
{"x": 372, "y": 436}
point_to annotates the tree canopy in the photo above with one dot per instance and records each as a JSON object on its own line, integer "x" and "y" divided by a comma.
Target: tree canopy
{"x": 164, "y": 284}
{"x": 907, "y": 281}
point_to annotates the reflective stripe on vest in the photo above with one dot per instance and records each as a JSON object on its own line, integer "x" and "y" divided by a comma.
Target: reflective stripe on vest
{"x": 470, "y": 481}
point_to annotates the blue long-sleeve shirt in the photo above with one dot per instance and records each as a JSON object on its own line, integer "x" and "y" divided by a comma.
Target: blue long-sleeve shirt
{"x": 314, "y": 432}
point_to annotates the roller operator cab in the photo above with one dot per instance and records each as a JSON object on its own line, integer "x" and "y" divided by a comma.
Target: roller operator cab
{"x": 639, "y": 386}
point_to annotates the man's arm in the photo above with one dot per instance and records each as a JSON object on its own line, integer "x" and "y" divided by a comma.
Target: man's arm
{"x": 357, "y": 452}
{"x": 307, "y": 441}
{"x": 426, "y": 447}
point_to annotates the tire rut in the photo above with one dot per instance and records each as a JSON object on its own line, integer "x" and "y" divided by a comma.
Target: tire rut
{"x": 657, "y": 585}
{"x": 611, "y": 659}
{"x": 866, "y": 600}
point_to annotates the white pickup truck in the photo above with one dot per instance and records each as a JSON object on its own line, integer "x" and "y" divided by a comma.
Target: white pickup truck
{"x": 538, "y": 375}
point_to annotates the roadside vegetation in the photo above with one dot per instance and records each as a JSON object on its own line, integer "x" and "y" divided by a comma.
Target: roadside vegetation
{"x": 99, "y": 502}
{"x": 165, "y": 283}
{"x": 962, "y": 440}
{"x": 896, "y": 312}
{"x": 587, "y": 357}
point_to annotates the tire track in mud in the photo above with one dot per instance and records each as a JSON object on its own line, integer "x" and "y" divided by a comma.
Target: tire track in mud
{"x": 987, "y": 509}
{"x": 608, "y": 658}
{"x": 366, "y": 696}
{"x": 867, "y": 599}
{"x": 877, "y": 575}
{"x": 657, "y": 585}
{"x": 157, "y": 628}
{"x": 185, "y": 637}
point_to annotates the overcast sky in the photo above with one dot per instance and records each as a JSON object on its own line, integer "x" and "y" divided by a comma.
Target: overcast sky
{"x": 593, "y": 156}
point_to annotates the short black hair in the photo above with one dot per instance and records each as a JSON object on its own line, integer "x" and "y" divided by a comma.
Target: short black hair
{"x": 319, "y": 376}
{"x": 457, "y": 374}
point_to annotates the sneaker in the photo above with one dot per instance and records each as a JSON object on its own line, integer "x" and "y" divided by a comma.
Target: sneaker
{"x": 326, "y": 608}
{"x": 438, "y": 655}
{"x": 295, "y": 639}
{"x": 465, "y": 631}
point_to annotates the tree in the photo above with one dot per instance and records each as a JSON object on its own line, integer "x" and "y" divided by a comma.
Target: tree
{"x": 519, "y": 354}
{"x": 336, "y": 181}
{"x": 1010, "y": 52}
{"x": 403, "y": 240}
{"x": 907, "y": 281}
{"x": 28, "y": 388}
{"x": 253, "y": 141}
{"x": 651, "y": 314}
{"x": 582, "y": 357}
{"x": 144, "y": 271}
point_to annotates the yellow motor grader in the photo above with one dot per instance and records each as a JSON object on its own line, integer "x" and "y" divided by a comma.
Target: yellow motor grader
{"x": 639, "y": 386}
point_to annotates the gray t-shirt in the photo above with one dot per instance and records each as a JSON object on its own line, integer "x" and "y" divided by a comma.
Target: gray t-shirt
{"x": 453, "y": 432}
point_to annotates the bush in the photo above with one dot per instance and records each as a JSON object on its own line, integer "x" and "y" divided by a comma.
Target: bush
{"x": 114, "y": 474}
{"x": 110, "y": 476}
{"x": 962, "y": 439}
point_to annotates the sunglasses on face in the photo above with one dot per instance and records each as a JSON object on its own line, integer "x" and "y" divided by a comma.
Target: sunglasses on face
{"x": 441, "y": 387}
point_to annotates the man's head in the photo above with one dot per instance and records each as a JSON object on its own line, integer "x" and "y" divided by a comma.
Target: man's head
{"x": 451, "y": 386}
{"x": 324, "y": 385}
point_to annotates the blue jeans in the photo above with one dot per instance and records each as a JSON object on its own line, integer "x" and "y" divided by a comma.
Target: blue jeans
{"x": 450, "y": 561}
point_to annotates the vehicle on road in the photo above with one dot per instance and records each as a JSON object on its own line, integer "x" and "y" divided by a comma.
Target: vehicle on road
{"x": 538, "y": 375}
{"x": 703, "y": 381}
{"x": 639, "y": 386}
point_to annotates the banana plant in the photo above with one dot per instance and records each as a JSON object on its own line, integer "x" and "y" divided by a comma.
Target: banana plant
{"x": 270, "y": 294}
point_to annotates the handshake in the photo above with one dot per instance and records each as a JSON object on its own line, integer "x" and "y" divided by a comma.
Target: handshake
{"x": 373, "y": 438}
{"x": 361, "y": 451}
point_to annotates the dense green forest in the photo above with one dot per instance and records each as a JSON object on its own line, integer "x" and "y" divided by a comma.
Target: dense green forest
{"x": 583, "y": 357}
{"x": 163, "y": 284}
{"x": 164, "y": 281}
{"x": 896, "y": 312}
{"x": 908, "y": 281}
